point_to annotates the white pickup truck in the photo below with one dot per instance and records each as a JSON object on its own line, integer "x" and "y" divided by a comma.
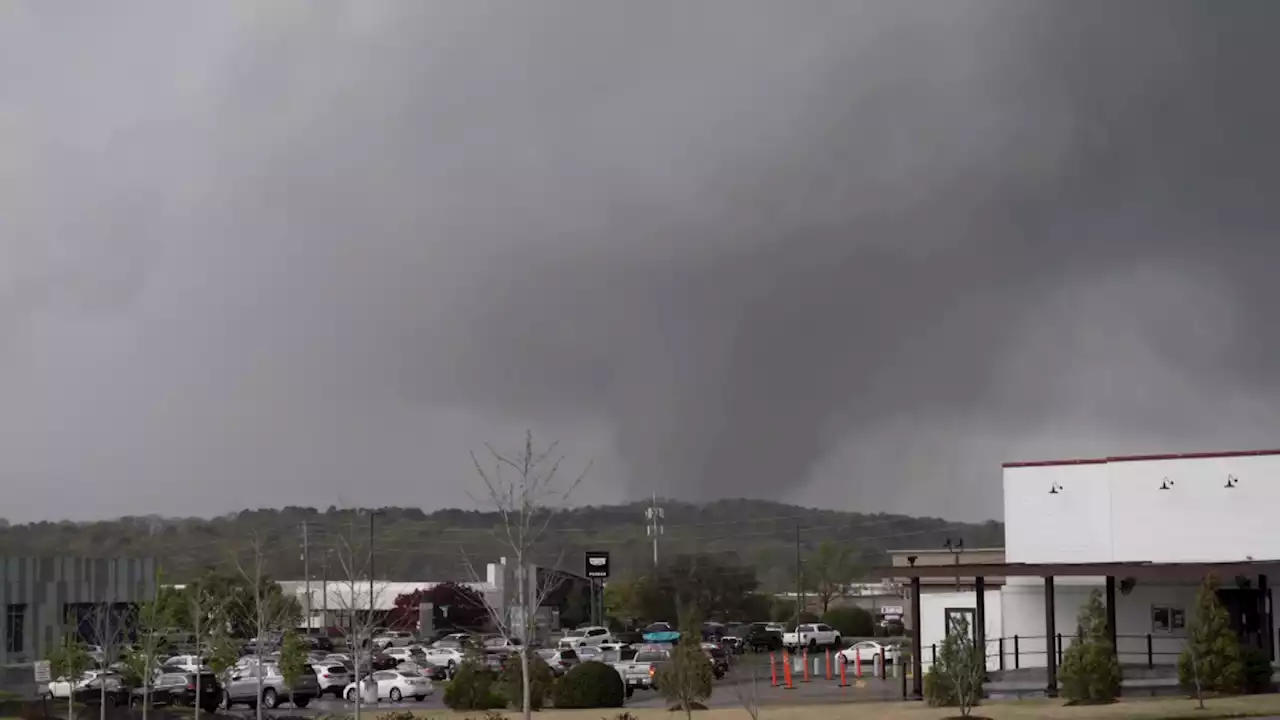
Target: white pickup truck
{"x": 811, "y": 635}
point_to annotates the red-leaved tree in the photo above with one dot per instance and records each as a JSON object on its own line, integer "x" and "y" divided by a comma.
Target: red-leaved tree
{"x": 453, "y": 606}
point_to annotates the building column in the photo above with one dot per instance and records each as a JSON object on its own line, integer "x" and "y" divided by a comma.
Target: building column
{"x": 980, "y": 618}
{"x": 1111, "y": 615}
{"x": 917, "y": 647}
{"x": 1050, "y": 641}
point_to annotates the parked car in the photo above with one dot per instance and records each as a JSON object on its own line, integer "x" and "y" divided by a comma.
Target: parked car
{"x": 718, "y": 657}
{"x": 560, "y": 659}
{"x": 394, "y": 638}
{"x": 189, "y": 663}
{"x": 241, "y": 687}
{"x": 640, "y": 673}
{"x": 63, "y": 687}
{"x": 812, "y": 635}
{"x": 425, "y": 669}
{"x": 867, "y": 651}
{"x": 394, "y": 686}
{"x": 93, "y": 692}
{"x": 180, "y": 689}
{"x": 319, "y": 643}
{"x": 331, "y": 678}
{"x": 762, "y": 637}
{"x": 449, "y": 658}
{"x": 453, "y": 640}
{"x": 589, "y": 635}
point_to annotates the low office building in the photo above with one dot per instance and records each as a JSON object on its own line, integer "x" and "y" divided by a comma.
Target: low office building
{"x": 40, "y": 595}
{"x": 1143, "y": 531}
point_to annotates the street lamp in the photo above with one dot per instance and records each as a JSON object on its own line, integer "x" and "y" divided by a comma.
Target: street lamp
{"x": 369, "y": 619}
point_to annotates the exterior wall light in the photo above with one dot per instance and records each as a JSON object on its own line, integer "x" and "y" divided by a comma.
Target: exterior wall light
{"x": 1055, "y": 489}
{"x": 1166, "y": 484}
{"x": 1231, "y": 481}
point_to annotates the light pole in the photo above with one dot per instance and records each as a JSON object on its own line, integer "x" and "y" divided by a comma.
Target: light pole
{"x": 369, "y": 619}
{"x": 955, "y": 549}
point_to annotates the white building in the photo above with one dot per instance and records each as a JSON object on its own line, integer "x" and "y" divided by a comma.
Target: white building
{"x": 1144, "y": 530}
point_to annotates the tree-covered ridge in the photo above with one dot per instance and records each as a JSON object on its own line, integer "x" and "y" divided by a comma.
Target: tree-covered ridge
{"x": 414, "y": 545}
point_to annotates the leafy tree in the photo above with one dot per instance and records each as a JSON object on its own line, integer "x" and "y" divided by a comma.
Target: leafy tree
{"x": 960, "y": 668}
{"x": 830, "y": 569}
{"x": 705, "y": 580}
{"x": 1090, "y": 671}
{"x": 453, "y": 605}
{"x": 1212, "y": 660}
{"x": 852, "y": 622}
{"x": 685, "y": 681}
{"x": 293, "y": 658}
{"x": 69, "y": 660}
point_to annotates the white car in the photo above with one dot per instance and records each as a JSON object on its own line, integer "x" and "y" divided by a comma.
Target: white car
{"x": 412, "y": 654}
{"x": 395, "y": 685}
{"x": 394, "y": 638}
{"x": 452, "y": 641}
{"x": 867, "y": 651}
{"x": 332, "y": 677}
{"x": 449, "y": 658}
{"x": 190, "y": 663}
{"x": 591, "y": 635}
{"x": 812, "y": 635}
{"x": 62, "y": 687}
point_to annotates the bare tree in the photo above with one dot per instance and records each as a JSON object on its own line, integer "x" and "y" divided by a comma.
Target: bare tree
{"x": 268, "y": 609}
{"x": 526, "y": 491}
{"x": 749, "y": 692}
{"x": 358, "y": 596}
{"x": 110, "y": 623}
{"x": 205, "y": 611}
{"x": 832, "y": 568}
{"x": 141, "y": 661}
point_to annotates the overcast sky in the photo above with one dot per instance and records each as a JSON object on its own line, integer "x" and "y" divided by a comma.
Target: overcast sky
{"x": 846, "y": 254}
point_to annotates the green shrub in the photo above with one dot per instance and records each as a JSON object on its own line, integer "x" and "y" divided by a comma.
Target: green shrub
{"x": 851, "y": 622}
{"x": 511, "y": 686}
{"x": 1211, "y": 661}
{"x": 1257, "y": 671}
{"x": 590, "y": 685}
{"x": 474, "y": 687}
{"x": 938, "y": 692}
{"x": 1090, "y": 671}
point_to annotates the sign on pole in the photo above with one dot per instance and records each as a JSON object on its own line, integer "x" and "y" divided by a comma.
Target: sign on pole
{"x": 44, "y": 672}
{"x": 597, "y": 564}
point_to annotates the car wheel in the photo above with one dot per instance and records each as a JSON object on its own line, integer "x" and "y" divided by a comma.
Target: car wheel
{"x": 351, "y": 695}
{"x": 419, "y": 698}
{"x": 395, "y": 695}
{"x": 269, "y": 699}
{"x": 301, "y": 702}
{"x": 813, "y": 643}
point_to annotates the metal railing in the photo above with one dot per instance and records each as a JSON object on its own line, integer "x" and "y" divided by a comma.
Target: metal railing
{"x": 1140, "y": 649}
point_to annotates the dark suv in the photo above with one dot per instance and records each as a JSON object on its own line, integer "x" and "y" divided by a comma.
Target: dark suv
{"x": 180, "y": 689}
{"x": 762, "y": 639}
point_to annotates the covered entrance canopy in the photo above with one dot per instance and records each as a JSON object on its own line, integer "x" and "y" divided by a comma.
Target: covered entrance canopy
{"x": 1167, "y": 572}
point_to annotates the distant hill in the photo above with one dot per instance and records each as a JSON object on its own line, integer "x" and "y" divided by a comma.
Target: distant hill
{"x": 411, "y": 545}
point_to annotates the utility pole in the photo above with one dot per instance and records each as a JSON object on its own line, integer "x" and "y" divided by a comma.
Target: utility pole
{"x": 955, "y": 548}
{"x": 372, "y": 514}
{"x": 655, "y": 516}
{"x": 324, "y": 594}
{"x": 306, "y": 572}
{"x": 799, "y": 578}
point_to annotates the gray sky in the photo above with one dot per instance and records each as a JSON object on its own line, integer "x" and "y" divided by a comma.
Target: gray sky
{"x": 846, "y": 254}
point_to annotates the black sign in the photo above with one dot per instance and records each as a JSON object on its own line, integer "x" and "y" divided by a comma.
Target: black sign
{"x": 597, "y": 564}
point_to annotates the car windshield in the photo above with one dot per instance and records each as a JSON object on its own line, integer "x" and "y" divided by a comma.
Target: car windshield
{"x": 407, "y": 675}
{"x": 546, "y": 654}
{"x": 643, "y": 657}
{"x": 576, "y": 633}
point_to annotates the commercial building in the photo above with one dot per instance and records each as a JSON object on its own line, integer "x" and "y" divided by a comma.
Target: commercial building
{"x": 1144, "y": 531}
{"x": 40, "y": 594}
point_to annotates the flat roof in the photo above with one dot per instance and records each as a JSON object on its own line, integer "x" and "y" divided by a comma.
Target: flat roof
{"x": 961, "y": 551}
{"x": 1137, "y": 570}
{"x": 1137, "y": 458}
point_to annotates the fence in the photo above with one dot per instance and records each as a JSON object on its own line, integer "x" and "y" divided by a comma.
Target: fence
{"x": 1150, "y": 650}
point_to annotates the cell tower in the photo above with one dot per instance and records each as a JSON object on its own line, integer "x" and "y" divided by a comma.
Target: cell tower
{"x": 655, "y": 516}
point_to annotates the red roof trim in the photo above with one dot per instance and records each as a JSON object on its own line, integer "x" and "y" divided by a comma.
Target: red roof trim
{"x": 1135, "y": 458}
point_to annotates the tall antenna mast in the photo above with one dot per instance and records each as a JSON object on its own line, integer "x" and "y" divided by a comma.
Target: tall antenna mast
{"x": 655, "y": 516}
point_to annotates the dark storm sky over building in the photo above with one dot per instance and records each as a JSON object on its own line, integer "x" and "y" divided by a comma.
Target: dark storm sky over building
{"x": 838, "y": 253}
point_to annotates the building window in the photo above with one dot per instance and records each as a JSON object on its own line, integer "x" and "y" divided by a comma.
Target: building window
{"x": 959, "y": 617}
{"x": 14, "y": 626}
{"x": 1166, "y": 619}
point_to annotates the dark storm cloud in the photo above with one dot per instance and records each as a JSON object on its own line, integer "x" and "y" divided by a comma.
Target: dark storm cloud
{"x": 850, "y": 254}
